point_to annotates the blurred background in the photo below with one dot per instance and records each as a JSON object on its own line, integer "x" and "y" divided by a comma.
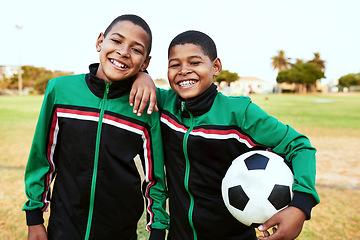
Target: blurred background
{"x": 307, "y": 50}
{"x": 60, "y": 35}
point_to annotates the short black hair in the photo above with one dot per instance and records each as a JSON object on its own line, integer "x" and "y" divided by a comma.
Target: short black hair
{"x": 135, "y": 20}
{"x": 197, "y": 38}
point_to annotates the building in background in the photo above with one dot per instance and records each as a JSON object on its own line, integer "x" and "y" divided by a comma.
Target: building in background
{"x": 8, "y": 71}
{"x": 245, "y": 86}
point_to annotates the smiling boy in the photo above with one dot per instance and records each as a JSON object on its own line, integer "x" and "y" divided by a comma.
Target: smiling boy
{"x": 87, "y": 138}
{"x": 204, "y": 132}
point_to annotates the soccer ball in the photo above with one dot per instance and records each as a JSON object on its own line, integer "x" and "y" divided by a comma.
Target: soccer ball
{"x": 257, "y": 185}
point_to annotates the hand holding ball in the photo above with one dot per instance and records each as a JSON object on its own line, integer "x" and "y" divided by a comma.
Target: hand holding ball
{"x": 257, "y": 185}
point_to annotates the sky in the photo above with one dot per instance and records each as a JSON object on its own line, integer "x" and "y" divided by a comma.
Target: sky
{"x": 61, "y": 35}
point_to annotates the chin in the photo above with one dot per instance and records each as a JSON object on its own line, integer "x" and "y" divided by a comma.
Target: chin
{"x": 187, "y": 96}
{"x": 186, "y": 93}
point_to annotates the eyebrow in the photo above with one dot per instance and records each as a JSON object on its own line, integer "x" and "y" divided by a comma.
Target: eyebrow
{"x": 122, "y": 36}
{"x": 191, "y": 57}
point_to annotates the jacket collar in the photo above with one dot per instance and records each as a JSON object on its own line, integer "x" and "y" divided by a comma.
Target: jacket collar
{"x": 97, "y": 85}
{"x": 199, "y": 104}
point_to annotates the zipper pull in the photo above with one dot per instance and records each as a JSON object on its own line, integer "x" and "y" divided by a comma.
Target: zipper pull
{"x": 183, "y": 106}
{"x": 107, "y": 87}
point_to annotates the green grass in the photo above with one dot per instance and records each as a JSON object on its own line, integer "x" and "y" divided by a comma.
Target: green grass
{"x": 325, "y": 111}
{"x": 337, "y": 217}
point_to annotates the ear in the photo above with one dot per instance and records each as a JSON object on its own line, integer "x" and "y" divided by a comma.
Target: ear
{"x": 99, "y": 42}
{"x": 217, "y": 67}
{"x": 145, "y": 64}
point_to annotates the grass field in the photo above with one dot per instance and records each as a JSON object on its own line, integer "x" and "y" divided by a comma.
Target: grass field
{"x": 332, "y": 122}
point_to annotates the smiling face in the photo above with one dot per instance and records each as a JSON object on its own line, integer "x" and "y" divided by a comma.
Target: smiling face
{"x": 190, "y": 71}
{"x": 123, "y": 52}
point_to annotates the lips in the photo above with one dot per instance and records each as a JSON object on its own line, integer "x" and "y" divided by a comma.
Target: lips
{"x": 118, "y": 64}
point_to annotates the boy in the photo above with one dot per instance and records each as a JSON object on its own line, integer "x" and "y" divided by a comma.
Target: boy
{"x": 87, "y": 136}
{"x": 204, "y": 131}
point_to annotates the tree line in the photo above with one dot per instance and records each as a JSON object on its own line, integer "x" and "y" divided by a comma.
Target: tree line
{"x": 307, "y": 73}
{"x": 304, "y": 74}
{"x": 351, "y": 79}
{"x": 33, "y": 78}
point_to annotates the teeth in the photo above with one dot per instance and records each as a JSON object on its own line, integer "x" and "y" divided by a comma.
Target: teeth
{"x": 187, "y": 83}
{"x": 116, "y": 63}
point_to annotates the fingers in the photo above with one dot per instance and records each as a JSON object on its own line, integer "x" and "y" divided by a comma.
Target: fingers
{"x": 152, "y": 104}
{"x": 268, "y": 224}
{"x": 143, "y": 102}
{"x": 264, "y": 228}
{"x": 267, "y": 234}
{"x": 131, "y": 96}
{"x": 135, "y": 99}
{"x": 141, "y": 94}
{"x": 139, "y": 100}
{"x": 156, "y": 109}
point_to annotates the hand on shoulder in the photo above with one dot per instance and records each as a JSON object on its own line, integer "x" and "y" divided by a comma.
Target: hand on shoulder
{"x": 143, "y": 91}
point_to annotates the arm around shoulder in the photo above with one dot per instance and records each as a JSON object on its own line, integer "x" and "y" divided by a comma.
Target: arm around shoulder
{"x": 143, "y": 91}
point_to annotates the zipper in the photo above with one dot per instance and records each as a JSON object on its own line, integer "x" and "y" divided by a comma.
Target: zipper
{"x": 187, "y": 169}
{"x": 96, "y": 161}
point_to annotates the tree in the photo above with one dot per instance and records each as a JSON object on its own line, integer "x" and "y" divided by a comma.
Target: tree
{"x": 299, "y": 61}
{"x": 350, "y": 79}
{"x": 227, "y": 76}
{"x": 32, "y": 78}
{"x": 289, "y": 76}
{"x": 318, "y": 61}
{"x": 41, "y": 83}
{"x": 280, "y": 62}
{"x": 310, "y": 73}
{"x": 31, "y": 74}
{"x": 303, "y": 74}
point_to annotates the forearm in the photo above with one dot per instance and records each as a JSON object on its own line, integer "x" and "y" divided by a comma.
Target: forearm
{"x": 156, "y": 193}
{"x": 40, "y": 168}
{"x": 287, "y": 142}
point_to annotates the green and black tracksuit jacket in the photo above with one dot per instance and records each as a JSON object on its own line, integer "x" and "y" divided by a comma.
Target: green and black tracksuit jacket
{"x": 86, "y": 139}
{"x": 202, "y": 136}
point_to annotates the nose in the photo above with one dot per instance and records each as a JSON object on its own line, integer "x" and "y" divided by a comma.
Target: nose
{"x": 184, "y": 70}
{"x": 124, "y": 52}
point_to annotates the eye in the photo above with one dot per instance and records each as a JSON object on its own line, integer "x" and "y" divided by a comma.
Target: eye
{"x": 195, "y": 63}
{"x": 174, "y": 65}
{"x": 116, "y": 40}
{"x": 137, "y": 50}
